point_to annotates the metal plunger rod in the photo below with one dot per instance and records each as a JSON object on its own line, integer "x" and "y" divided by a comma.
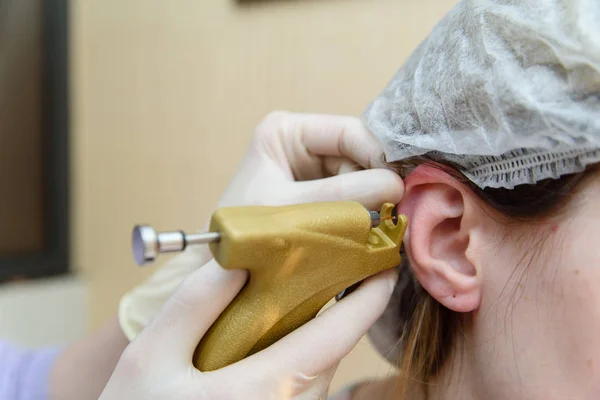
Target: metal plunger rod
{"x": 202, "y": 238}
{"x": 148, "y": 244}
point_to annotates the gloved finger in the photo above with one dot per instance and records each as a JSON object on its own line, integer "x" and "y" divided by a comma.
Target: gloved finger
{"x": 298, "y": 142}
{"x": 322, "y": 382}
{"x": 292, "y": 385}
{"x": 188, "y": 314}
{"x": 341, "y": 136}
{"x": 322, "y": 342}
{"x": 371, "y": 188}
{"x": 138, "y": 307}
{"x": 340, "y": 165}
{"x": 301, "y": 386}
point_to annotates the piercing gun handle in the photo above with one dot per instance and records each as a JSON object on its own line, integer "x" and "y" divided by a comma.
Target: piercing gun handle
{"x": 299, "y": 257}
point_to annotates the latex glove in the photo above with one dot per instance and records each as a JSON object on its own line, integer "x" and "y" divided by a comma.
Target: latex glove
{"x": 292, "y": 158}
{"x": 157, "y": 364}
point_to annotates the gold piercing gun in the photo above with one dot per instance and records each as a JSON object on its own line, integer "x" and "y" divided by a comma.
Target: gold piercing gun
{"x": 299, "y": 257}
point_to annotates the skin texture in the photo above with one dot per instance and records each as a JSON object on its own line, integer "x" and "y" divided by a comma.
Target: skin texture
{"x": 529, "y": 293}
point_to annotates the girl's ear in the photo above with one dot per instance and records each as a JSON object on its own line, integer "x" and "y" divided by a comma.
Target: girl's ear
{"x": 443, "y": 220}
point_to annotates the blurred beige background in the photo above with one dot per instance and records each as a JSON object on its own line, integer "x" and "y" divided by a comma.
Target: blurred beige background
{"x": 166, "y": 95}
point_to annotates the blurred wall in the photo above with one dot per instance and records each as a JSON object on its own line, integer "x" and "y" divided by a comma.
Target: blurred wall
{"x": 166, "y": 96}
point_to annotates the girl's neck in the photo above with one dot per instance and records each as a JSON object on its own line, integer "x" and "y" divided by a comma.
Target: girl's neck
{"x": 387, "y": 389}
{"x": 453, "y": 382}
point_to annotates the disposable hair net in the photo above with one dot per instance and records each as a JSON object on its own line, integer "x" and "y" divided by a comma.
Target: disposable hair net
{"x": 507, "y": 90}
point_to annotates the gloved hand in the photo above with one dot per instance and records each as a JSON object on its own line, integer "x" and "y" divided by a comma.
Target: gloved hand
{"x": 157, "y": 364}
{"x": 293, "y": 158}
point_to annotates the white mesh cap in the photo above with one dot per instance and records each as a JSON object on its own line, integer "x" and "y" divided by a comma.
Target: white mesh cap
{"x": 508, "y": 90}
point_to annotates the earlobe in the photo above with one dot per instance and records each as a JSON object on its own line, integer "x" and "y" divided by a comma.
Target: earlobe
{"x": 442, "y": 217}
